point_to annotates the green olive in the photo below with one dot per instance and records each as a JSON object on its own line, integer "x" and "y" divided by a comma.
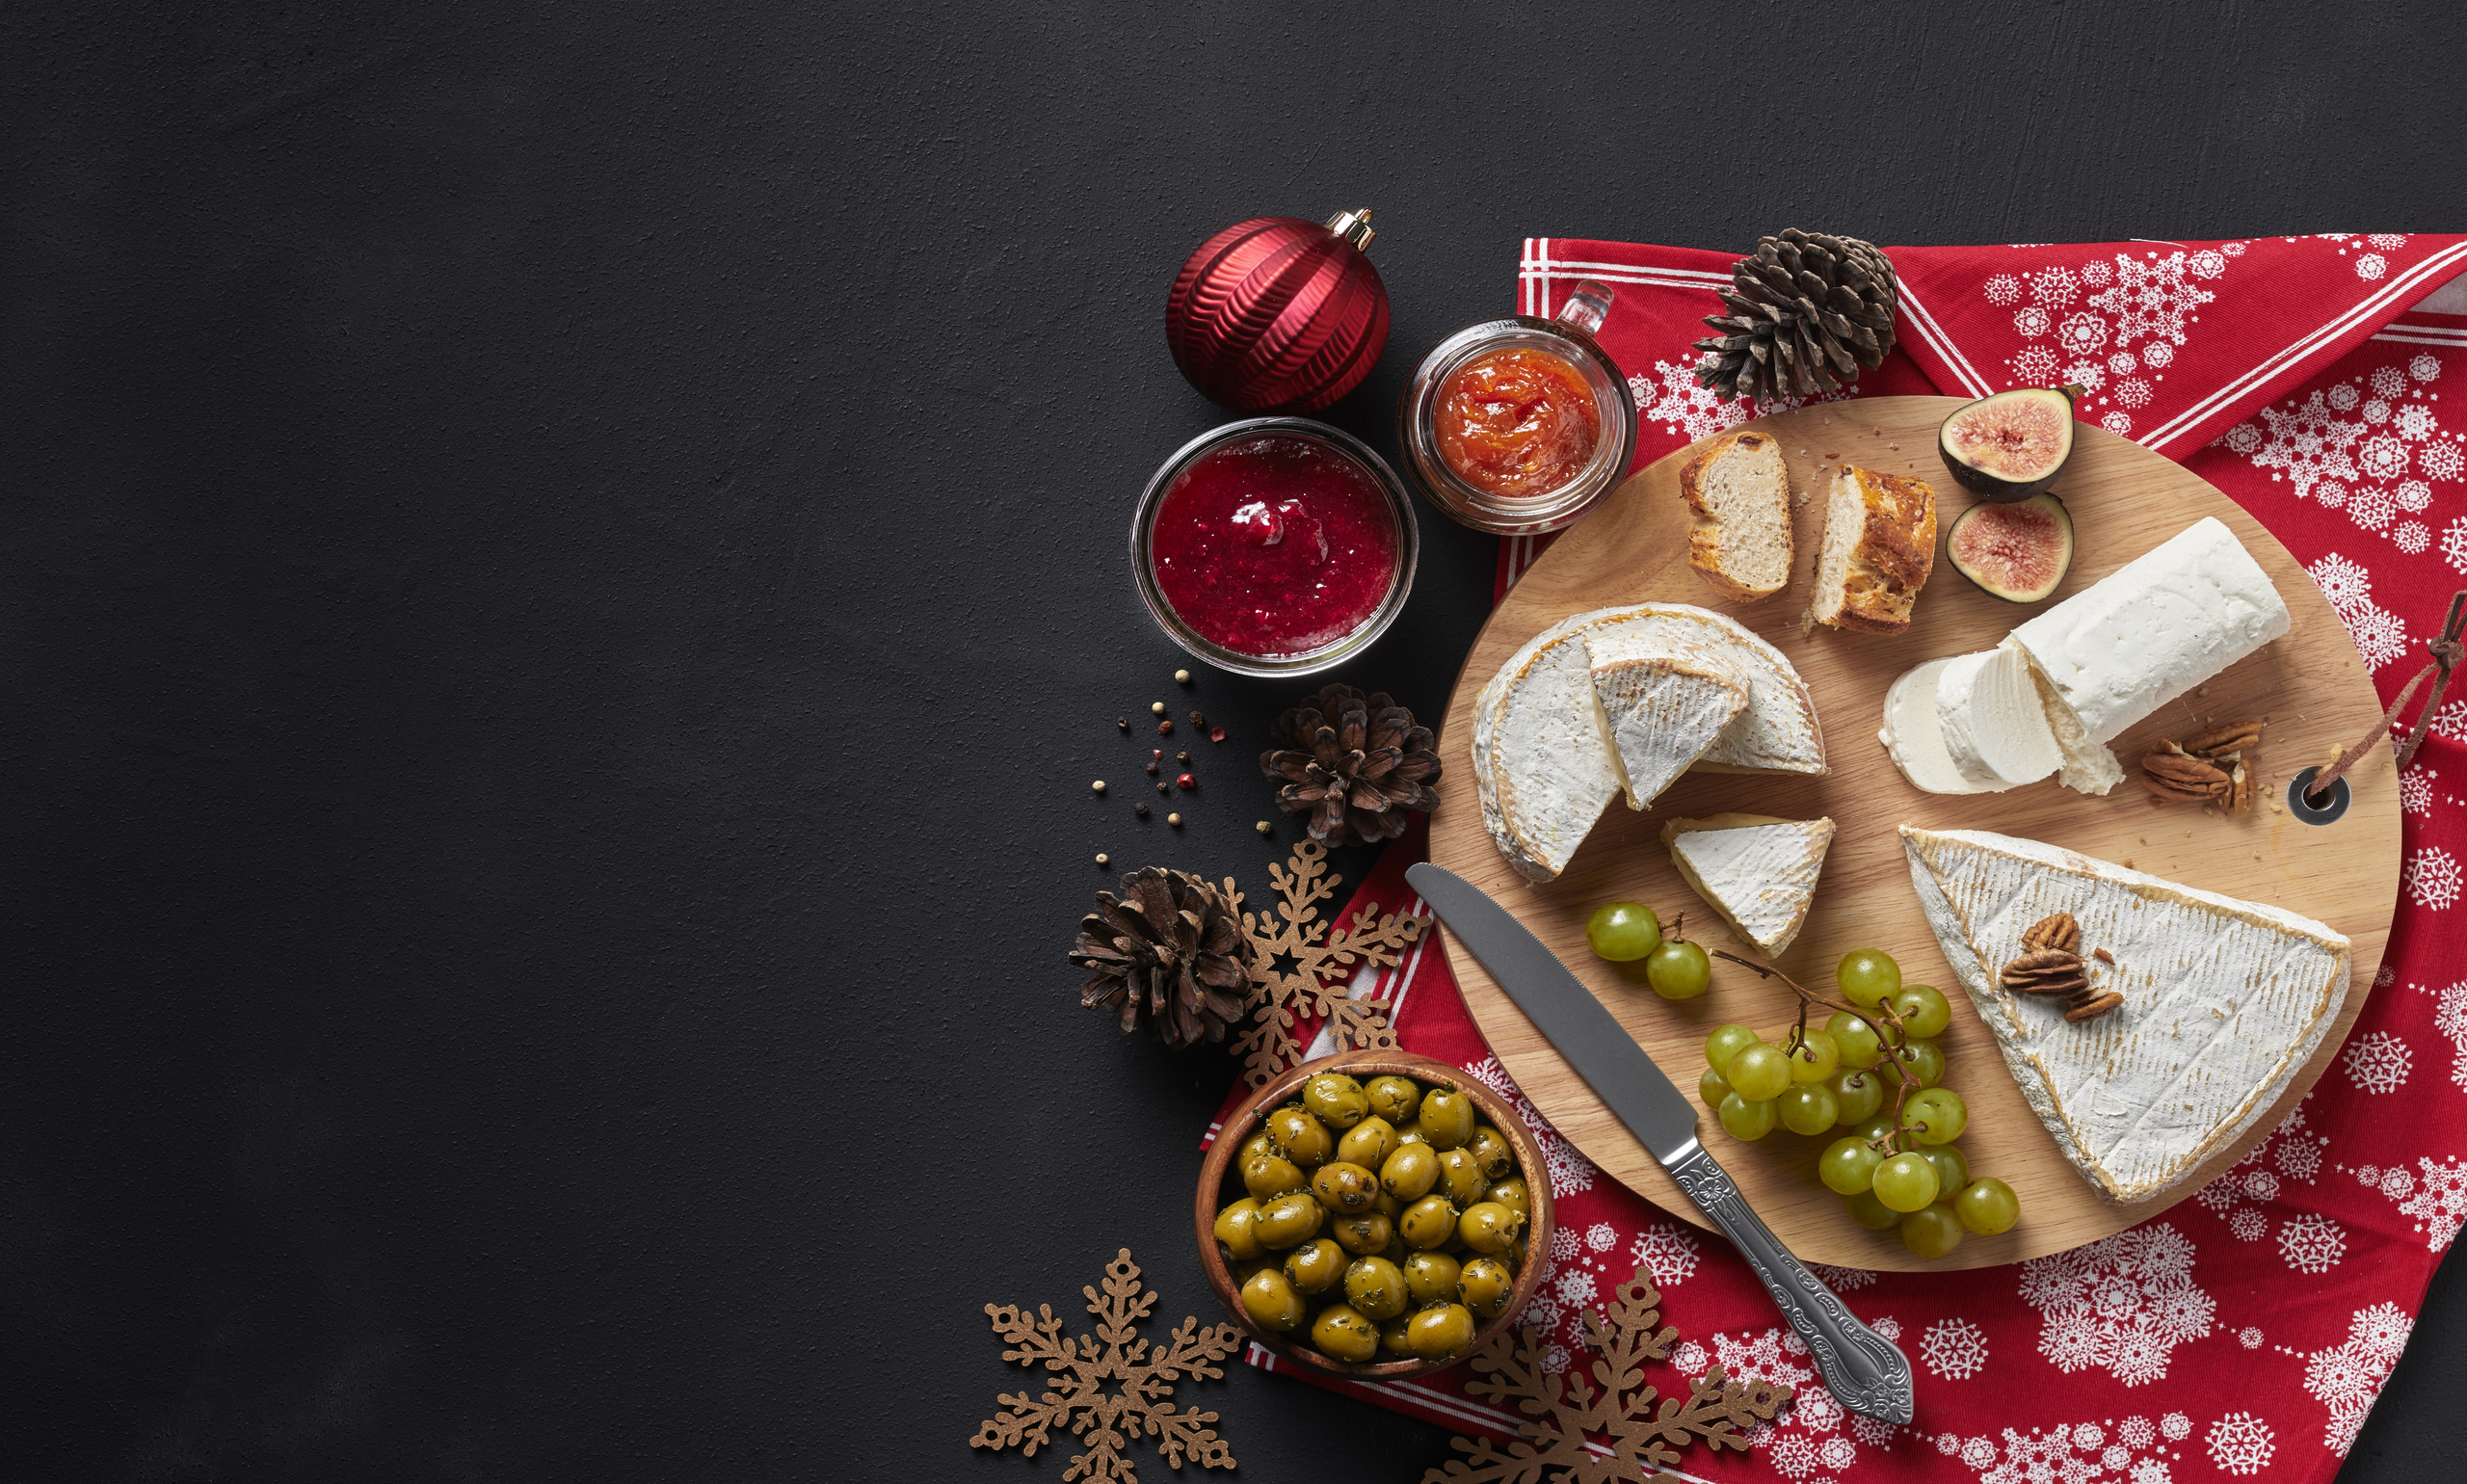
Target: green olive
{"x": 1258, "y": 1144}
{"x": 1428, "y": 1223}
{"x": 1289, "y": 1220}
{"x": 1447, "y": 1118}
{"x": 1345, "y": 1188}
{"x": 1488, "y": 1227}
{"x": 1271, "y": 1176}
{"x": 1485, "y": 1286}
{"x": 1388, "y": 1206}
{"x": 1238, "y": 1233}
{"x": 1315, "y": 1265}
{"x": 1392, "y": 1338}
{"x": 1394, "y": 1098}
{"x": 1490, "y": 1148}
{"x": 1410, "y": 1132}
{"x": 1270, "y": 1300}
{"x": 1410, "y": 1172}
{"x": 1345, "y": 1332}
{"x": 1365, "y": 1234}
{"x": 1374, "y": 1286}
{"x": 1460, "y": 1177}
{"x": 1514, "y": 1194}
{"x": 1368, "y": 1143}
{"x": 1305, "y": 1140}
{"x": 1430, "y": 1277}
{"x": 1335, "y": 1100}
{"x": 1441, "y": 1330}
{"x": 1243, "y": 1269}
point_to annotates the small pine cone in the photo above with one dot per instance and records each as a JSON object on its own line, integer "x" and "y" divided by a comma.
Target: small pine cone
{"x": 1355, "y": 765}
{"x": 1169, "y": 950}
{"x": 1805, "y": 314}
{"x": 2058, "y": 932}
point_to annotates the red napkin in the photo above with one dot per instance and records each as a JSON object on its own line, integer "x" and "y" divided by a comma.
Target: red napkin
{"x": 2247, "y": 1330}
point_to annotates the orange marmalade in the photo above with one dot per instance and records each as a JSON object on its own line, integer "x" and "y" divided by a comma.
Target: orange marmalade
{"x": 1516, "y": 422}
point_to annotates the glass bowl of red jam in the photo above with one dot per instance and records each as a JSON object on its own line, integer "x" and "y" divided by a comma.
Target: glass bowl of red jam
{"x": 1517, "y": 425}
{"x": 1273, "y": 547}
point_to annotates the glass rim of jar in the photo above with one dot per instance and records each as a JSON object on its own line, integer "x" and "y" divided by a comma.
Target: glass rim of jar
{"x": 1466, "y": 503}
{"x": 1336, "y": 651}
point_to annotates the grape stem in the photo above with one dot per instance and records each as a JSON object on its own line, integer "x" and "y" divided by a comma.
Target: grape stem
{"x": 1907, "y": 1081}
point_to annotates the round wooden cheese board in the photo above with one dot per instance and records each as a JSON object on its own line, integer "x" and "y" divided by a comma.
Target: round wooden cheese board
{"x": 2124, "y": 500}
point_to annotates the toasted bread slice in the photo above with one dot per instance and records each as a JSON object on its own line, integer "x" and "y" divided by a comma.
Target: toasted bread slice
{"x": 1879, "y": 545}
{"x": 1739, "y": 491}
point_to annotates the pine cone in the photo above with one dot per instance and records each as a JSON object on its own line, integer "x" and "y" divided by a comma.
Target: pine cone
{"x": 1170, "y": 948}
{"x": 1356, "y": 764}
{"x": 1810, "y": 311}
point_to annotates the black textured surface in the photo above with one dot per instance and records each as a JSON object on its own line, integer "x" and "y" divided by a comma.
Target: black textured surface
{"x": 564, "y": 587}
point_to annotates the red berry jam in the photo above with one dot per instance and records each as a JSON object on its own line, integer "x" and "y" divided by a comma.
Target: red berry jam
{"x": 1275, "y": 546}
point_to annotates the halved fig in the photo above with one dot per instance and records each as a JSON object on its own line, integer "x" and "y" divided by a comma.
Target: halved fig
{"x": 2011, "y": 445}
{"x": 2018, "y": 553}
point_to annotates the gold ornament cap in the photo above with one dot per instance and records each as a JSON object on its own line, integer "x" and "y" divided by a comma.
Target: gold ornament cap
{"x": 1353, "y": 227}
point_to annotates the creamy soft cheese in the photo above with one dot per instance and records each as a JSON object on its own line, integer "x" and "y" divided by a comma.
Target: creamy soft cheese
{"x": 2224, "y": 1000}
{"x": 1994, "y": 730}
{"x": 1777, "y": 732}
{"x": 2090, "y": 767}
{"x": 2154, "y": 628}
{"x": 1541, "y": 769}
{"x": 1915, "y": 739}
{"x": 1758, "y": 872}
{"x": 1660, "y": 701}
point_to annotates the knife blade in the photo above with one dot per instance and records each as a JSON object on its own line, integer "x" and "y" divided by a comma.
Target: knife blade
{"x": 1865, "y": 1371}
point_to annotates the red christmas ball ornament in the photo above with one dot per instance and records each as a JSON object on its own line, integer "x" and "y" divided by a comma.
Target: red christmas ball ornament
{"x": 1278, "y": 314}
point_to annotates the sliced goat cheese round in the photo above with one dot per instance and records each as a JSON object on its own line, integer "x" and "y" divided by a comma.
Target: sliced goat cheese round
{"x": 1994, "y": 730}
{"x": 1912, "y": 738}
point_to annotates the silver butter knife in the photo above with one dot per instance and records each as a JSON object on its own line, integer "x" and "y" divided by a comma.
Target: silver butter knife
{"x": 1866, "y": 1372}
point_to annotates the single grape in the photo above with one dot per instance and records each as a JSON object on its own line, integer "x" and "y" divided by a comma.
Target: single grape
{"x": 1924, "y": 1061}
{"x": 1923, "y": 1010}
{"x": 1847, "y": 1166}
{"x": 1807, "y": 1107}
{"x": 1952, "y": 1167}
{"x": 1622, "y": 931}
{"x": 1817, "y": 1058}
{"x": 1724, "y": 1043}
{"x": 1874, "y": 1127}
{"x": 1867, "y": 975}
{"x": 1931, "y": 1230}
{"x": 1749, "y": 1120}
{"x": 1870, "y": 1212}
{"x": 1856, "y": 1095}
{"x": 1942, "y": 1110}
{"x": 1678, "y": 971}
{"x": 1905, "y": 1181}
{"x": 1860, "y": 1046}
{"x": 1987, "y": 1206}
{"x": 1712, "y": 1088}
{"x": 1760, "y": 1071}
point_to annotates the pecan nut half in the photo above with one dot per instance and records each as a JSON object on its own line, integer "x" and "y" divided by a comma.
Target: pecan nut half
{"x": 2091, "y": 1007}
{"x": 2046, "y": 971}
{"x": 2057, "y": 931}
{"x": 2216, "y": 744}
{"x": 2170, "y": 773}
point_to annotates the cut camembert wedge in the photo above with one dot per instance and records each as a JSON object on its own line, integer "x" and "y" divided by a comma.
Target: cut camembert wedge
{"x": 1660, "y": 704}
{"x": 1757, "y": 871}
{"x": 2224, "y": 1000}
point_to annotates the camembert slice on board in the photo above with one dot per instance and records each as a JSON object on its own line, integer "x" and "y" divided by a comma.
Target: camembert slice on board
{"x": 1757, "y": 871}
{"x": 1778, "y": 731}
{"x": 1659, "y": 704}
{"x": 1541, "y": 769}
{"x": 2224, "y": 1000}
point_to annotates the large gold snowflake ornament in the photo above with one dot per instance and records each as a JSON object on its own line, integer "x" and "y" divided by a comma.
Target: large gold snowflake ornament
{"x": 1082, "y": 1367}
{"x": 1641, "y": 1442}
{"x": 1293, "y": 957}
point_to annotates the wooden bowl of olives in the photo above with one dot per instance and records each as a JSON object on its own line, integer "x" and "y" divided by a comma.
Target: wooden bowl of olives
{"x": 1375, "y": 1215}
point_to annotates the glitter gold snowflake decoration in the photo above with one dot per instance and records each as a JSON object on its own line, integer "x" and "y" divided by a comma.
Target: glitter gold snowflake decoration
{"x": 1294, "y": 957}
{"x": 1642, "y": 1442}
{"x": 1082, "y": 1367}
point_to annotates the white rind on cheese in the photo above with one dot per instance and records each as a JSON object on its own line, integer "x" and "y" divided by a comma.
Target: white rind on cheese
{"x": 1915, "y": 739}
{"x": 1540, "y": 767}
{"x": 2224, "y": 1000}
{"x": 1994, "y": 730}
{"x": 1660, "y": 703}
{"x": 2154, "y": 628}
{"x": 1778, "y": 731}
{"x": 1758, "y": 872}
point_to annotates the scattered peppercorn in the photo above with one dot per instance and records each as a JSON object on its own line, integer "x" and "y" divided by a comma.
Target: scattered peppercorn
{"x": 1188, "y": 782}
{"x": 1104, "y": 859}
{"x": 1165, "y": 729}
{"x": 1265, "y": 828}
{"x": 1123, "y": 722}
{"x": 1182, "y": 677}
{"x": 1158, "y": 707}
{"x": 1174, "y": 819}
{"x": 1163, "y": 785}
{"x": 1152, "y": 768}
{"x": 1099, "y": 785}
{"x": 1197, "y": 720}
{"x": 1140, "y": 810}
{"x": 1216, "y": 734}
{"x": 1183, "y": 756}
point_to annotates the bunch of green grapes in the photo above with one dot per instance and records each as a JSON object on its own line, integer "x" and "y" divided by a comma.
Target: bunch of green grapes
{"x": 1913, "y": 1177}
{"x": 1625, "y": 932}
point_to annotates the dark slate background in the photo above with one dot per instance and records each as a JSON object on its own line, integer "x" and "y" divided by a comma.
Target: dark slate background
{"x": 563, "y": 584}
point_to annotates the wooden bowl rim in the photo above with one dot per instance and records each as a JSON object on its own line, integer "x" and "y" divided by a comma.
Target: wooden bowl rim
{"x": 1422, "y": 1069}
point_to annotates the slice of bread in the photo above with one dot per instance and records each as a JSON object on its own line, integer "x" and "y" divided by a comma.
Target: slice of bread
{"x": 1739, "y": 491}
{"x": 1879, "y": 545}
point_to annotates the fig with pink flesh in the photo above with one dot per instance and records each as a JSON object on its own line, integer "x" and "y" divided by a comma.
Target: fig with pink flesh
{"x": 2018, "y": 553}
{"x": 2011, "y": 445}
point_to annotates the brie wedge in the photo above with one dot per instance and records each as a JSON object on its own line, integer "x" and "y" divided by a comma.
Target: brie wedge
{"x": 1913, "y": 736}
{"x": 1777, "y": 732}
{"x": 2224, "y": 1000}
{"x": 1659, "y": 704}
{"x": 1995, "y": 732}
{"x": 1757, "y": 871}
{"x": 1541, "y": 769}
{"x": 2154, "y": 628}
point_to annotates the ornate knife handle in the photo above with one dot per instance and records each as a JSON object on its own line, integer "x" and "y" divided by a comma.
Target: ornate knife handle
{"x": 1866, "y": 1372}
